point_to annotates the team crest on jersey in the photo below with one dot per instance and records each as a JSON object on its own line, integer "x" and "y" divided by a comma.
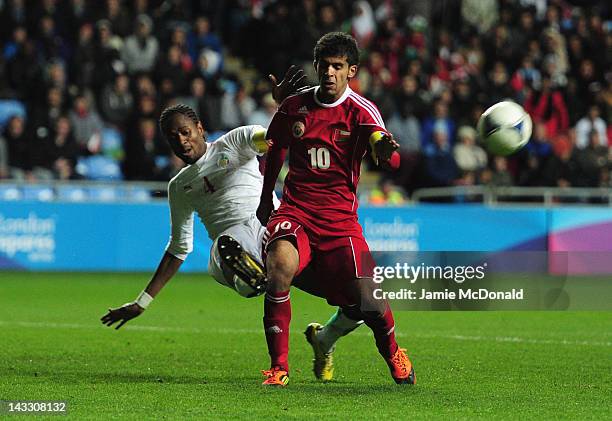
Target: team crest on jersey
{"x": 298, "y": 129}
{"x": 223, "y": 161}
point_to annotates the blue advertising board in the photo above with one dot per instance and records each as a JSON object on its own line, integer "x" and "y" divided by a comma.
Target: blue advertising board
{"x": 132, "y": 237}
{"x": 86, "y": 236}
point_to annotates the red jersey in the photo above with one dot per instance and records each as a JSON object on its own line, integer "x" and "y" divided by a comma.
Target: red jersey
{"x": 326, "y": 144}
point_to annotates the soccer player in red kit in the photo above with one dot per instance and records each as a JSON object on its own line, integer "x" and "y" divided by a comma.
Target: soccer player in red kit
{"x": 327, "y": 130}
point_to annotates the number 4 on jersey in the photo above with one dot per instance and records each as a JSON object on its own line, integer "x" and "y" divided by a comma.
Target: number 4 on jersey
{"x": 319, "y": 158}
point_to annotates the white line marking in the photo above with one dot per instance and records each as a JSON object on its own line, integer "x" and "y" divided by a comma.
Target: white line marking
{"x": 230, "y": 331}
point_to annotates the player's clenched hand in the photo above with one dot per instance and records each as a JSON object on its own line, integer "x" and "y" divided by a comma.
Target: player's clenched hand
{"x": 384, "y": 148}
{"x": 294, "y": 80}
{"x": 123, "y": 314}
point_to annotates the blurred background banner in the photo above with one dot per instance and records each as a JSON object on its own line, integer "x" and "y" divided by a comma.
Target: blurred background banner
{"x": 132, "y": 236}
{"x": 90, "y": 237}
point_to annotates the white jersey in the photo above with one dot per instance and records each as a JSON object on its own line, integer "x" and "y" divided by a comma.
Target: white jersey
{"x": 223, "y": 187}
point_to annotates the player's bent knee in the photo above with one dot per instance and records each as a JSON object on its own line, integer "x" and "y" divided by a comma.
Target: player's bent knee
{"x": 282, "y": 264}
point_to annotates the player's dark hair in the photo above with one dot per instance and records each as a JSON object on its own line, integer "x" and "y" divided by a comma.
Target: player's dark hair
{"x": 337, "y": 44}
{"x": 186, "y": 110}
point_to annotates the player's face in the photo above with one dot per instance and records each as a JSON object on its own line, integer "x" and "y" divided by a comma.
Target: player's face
{"x": 186, "y": 138}
{"x": 334, "y": 74}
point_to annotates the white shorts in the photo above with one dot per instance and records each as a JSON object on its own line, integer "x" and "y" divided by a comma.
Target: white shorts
{"x": 249, "y": 235}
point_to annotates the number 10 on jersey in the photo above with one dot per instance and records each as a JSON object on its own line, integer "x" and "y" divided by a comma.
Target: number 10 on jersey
{"x": 319, "y": 158}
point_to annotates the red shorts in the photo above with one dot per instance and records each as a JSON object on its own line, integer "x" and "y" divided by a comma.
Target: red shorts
{"x": 333, "y": 262}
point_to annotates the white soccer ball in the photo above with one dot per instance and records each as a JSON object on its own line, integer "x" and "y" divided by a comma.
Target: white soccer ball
{"x": 504, "y": 128}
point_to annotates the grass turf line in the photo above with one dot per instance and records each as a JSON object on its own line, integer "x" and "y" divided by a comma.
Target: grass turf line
{"x": 206, "y": 362}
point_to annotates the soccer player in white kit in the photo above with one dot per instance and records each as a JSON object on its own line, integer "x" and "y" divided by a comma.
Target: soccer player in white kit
{"x": 222, "y": 188}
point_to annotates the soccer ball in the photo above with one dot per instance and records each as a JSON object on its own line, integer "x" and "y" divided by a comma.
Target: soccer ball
{"x": 504, "y": 128}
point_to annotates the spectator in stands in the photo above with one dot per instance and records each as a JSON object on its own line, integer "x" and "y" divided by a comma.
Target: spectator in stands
{"x": 25, "y": 72}
{"x": 328, "y": 19}
{"x": 480, "y": 14}
{"x": 409, "y": 98}
{"x": 140, "y": 50}
{"x": 524, "y": 77}
{"x": 205, "y": 104}
{"x": 17, "y": 144}
{"x": 556, "y": 60}
{"x": 201, "y": 38}
{"x": 4, "y": 159}
{"x": 562, "y": 169}
{"x": 118, "y": 16}
{"x": 586, "y": 81}
{"x": 440, "y": 118}
{"x": 463, "y": 102}
{"x": 141, "y": 153}
{"x": 175, "y": 164}
{"x": 50, "y": 44}
{"x": 499, "y": 88}
{"x": 589, "y": 123}
{"x": 547, "y": 105}
{"x": 236, "y": 106}
{"x": 106, "y": 56}
{"x": 593, "y": 162}
{"x": 540, "y": 144}
{"x": 173, "y": 72}
{"x": 386, "y": 194}
{"x": 46, "y": 114}
{"x": 264, "y": 113}
{"x": 606, "y": 101}
{"x": 65, "y": 150}
{"x": 75, "y": 14}
{"x": 209, "y": 64}
{"x": 87, "y": 125}
{"x": 468, "y": 155}
{"x": 144, "y": 86}
{"x": 13, "y": 14}
{"x": 498, "y": 176}
{"x": 441, "y": 168}
{"x": 362, "y": 24}
{"x": 83, "y": 62}
{"x": 20, "y": 36}
{"x": 116, "y": 101}
{"x": 406, "y": 128}
{"x": 531, "y": 161}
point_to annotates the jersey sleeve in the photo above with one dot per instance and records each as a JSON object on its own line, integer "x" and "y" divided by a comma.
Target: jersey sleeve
{"x": 370, "y": 121}
{"x": 246, "y": 141}
{"x": 369, "y": 117}
{"x": 181, "y": 220}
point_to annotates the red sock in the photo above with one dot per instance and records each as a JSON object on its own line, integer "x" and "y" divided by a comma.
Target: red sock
{"x": 277, "y": 315}
{"x": 384, "y": 331}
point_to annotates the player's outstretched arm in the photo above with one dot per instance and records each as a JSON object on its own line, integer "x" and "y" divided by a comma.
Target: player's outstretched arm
{"x": 294, "y": 81}
{"x": 167, "y": 268}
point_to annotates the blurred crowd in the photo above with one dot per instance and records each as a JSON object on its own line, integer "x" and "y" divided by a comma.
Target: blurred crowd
{"x": 82, "y": 82}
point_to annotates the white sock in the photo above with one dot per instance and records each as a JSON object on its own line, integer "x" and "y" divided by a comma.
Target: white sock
{"x": 336, "y": 327}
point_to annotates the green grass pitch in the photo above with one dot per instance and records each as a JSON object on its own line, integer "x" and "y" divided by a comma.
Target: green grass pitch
{"x": 197, "y": 352}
